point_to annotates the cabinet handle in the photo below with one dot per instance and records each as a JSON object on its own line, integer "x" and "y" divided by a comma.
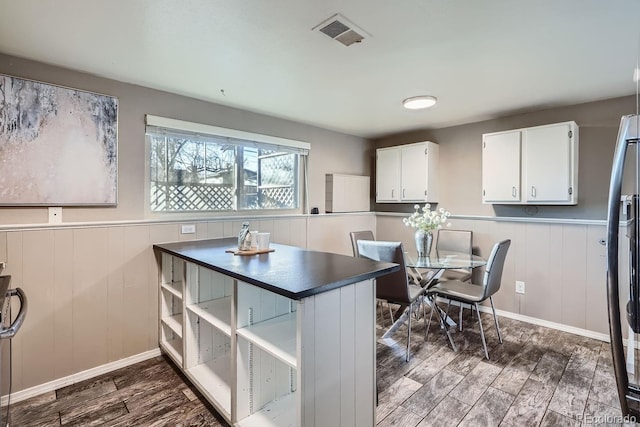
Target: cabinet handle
{"x": 392, "y": 190}
{"x": 533, "y": 191}
{"x": 403, "y": 190}
{"x": 513, "y": 192}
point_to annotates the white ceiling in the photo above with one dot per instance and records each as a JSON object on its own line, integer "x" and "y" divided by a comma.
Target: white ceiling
{"x": 481, "y": 58}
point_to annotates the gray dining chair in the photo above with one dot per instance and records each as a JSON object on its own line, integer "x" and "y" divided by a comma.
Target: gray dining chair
{"x": 455, "y": 241}
{"x": 414, "y": 275}
{"x": 359, "y": 235}
{"x": 368, "y": 235}
{"x": 395, "y": 287}
{"x": 468, "y": 293}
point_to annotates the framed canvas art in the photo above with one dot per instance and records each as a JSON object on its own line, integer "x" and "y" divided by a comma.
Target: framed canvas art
{"x": 58, "y": 146}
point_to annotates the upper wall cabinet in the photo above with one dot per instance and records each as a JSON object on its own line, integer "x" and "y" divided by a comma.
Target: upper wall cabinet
{"x": 407, "y": 173}
{"x": 537, "y": 165}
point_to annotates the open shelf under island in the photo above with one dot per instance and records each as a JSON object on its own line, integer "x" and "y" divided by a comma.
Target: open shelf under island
{"x": 285, "y": 338}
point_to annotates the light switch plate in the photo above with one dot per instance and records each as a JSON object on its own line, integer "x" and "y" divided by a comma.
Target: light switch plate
{"x": 187, "y": 228}
{"x": 55, "y": 215}
{"x": 519, "y": 287}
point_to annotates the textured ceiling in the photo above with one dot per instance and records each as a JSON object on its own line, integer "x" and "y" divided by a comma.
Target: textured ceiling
{"x": 482, "y": 59}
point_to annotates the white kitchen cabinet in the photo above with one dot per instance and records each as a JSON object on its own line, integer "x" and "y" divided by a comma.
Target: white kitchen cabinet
{"x": 536, "y": 165}
{"x": 388, "y": 174}
{"x": 501, "y": 167}
{"x": 407, "y": 173}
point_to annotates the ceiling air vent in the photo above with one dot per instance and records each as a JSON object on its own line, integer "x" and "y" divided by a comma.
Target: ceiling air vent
{"x": 341, "y": 29}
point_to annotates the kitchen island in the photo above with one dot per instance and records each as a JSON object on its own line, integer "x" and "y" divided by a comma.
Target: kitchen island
{"x": 285, "y": 338}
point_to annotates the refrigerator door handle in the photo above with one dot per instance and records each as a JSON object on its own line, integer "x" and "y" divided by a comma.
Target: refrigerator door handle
{"x": 613, "y": 295}
{"x": 12, "y": 330}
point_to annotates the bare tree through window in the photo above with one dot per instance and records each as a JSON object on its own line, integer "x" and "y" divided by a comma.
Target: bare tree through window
{"x": 187, "y": 174}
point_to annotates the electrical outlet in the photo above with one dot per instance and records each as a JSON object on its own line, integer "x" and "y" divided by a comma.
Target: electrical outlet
{"x": 55, "y": 215}
{"x": 188, "y": 228}
{"x": 519, "y": 287}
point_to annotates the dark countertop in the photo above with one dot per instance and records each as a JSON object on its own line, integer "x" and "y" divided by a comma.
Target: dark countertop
{"x": 289, "y": 271}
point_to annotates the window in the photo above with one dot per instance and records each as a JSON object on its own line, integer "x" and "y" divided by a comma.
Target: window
{"x": 196, "y": 167}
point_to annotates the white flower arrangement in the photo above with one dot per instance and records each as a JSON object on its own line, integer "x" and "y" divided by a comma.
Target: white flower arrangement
{"x": 427, "y": 220}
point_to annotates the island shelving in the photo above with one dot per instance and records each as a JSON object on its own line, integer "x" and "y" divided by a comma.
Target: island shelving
{"x": 285, "y": 338}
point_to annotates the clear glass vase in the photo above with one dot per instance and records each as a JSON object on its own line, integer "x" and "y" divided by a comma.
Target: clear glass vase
{"x": 423, "y": 240}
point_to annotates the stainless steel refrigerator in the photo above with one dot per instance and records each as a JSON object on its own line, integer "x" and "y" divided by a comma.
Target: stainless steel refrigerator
{"x": 623, "y": 266}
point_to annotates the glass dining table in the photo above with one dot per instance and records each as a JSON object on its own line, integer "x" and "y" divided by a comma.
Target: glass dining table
{"x": 437, "y": 262}
{"x": 442, "y": 260}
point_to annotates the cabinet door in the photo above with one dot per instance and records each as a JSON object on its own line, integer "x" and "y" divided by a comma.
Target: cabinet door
{"x": 414, "y": 172}
{"x": 547, "y": 165}
{"x": 501, "y": 167}
{"x": 388, "y": 175}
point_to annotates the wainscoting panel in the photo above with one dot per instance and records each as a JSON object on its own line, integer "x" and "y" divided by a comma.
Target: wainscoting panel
{"x": 39, "y": 336}
{"x": 115, "y": 293}
{"x": 330, "y": 233}
{"x": 90, "y": 296}
{"x": 93, "y": 293}
{"x": 62, "y": 300}
{"x": 137, "y": 306}
{"x": 596, "y": 292}
{"x": 573, "y": 286}
{"x": 537, "y": 274}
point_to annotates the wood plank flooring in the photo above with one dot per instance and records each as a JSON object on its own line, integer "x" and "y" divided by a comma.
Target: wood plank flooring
{"x": 537, "y": 377}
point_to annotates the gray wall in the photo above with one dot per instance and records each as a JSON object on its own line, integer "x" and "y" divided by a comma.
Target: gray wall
{"x": 331, "y": 152}
{"x": 93, "y": 288}
{"x": 461, "y": 160}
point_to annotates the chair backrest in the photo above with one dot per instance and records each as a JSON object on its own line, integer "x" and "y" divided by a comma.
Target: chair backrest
{"x": 493, "y": 271}
{"x": 454, "y": 240}
{"x": 359, "y": 235}
{"x": 393, "y": 287}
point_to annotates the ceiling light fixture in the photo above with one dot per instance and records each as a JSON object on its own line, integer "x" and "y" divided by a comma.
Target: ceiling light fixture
{"x": 419, "y": 102}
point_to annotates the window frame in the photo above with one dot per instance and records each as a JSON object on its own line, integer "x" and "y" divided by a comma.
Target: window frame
{"x": 208, "y": 134}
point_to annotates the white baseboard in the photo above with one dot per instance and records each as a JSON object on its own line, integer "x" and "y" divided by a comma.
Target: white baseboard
{"x": 553, "y": 325}
{"x": 80, "y": 376}
{"x": 547, "y": 324}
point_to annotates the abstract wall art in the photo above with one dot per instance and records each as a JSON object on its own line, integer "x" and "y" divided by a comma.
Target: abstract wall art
{"x": 58, "y": 146}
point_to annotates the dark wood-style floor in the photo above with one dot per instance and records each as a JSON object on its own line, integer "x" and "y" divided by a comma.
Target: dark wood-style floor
{"x": 538, "y": 376}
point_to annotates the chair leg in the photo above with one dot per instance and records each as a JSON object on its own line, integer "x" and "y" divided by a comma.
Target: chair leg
{"x": 409, "y": 331}
{"x": 460, "y": 320}
{"x": 446, "y": 314}
{"x": 426, "y": 333}
{"x": 495, "y": 319}
{"x": 484, "y": 342}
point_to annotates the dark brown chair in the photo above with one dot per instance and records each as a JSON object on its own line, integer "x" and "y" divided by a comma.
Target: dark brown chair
{"x": 468, "y": 293}
{"x": 394, "y": 287}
